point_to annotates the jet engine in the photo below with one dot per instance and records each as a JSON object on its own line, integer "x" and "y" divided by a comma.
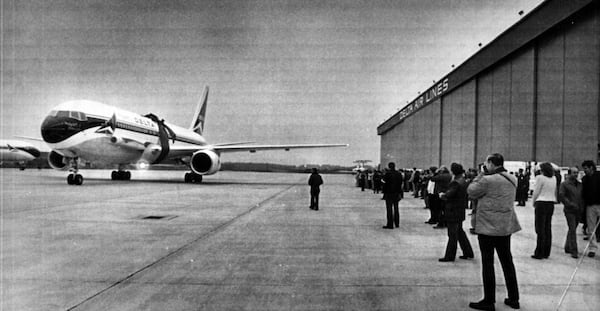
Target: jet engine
{"x": 57, "y": 161}
{"x": 205, "y": 162}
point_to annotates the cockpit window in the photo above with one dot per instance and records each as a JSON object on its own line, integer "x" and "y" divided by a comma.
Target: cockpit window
{"x": 53, "y": 113}
{"x": 77, "y": 115}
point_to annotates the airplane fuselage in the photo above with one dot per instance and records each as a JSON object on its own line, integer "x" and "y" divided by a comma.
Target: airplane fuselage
{"x": 17, "y": 151}
{"x": 98, "y": 133}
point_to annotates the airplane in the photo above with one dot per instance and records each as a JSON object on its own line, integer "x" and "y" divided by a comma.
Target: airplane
{"x": 17, "y": 151}
{"x": 360, "y": 166}
{"x": 93, "y": 132}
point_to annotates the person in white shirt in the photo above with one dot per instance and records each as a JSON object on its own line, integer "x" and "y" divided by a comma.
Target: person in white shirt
{"x": 544, "y": 197}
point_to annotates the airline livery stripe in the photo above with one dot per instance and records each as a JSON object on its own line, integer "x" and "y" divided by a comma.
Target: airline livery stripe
{"x": 138, "y": 129}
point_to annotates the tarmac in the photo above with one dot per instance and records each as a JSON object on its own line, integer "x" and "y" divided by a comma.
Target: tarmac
{"x": 248, "y": 241}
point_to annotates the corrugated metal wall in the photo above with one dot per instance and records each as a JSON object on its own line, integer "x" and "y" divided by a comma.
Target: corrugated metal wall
{"x": 540, "y": 104}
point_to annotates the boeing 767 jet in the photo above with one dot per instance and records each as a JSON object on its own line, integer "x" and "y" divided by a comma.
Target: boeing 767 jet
{"x": 93, "y": 132}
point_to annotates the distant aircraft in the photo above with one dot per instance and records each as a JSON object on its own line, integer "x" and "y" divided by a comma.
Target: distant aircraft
{"x": 17, "y": 151}
{"x": 360, "y": 166}
{"x": 97, "y": 133}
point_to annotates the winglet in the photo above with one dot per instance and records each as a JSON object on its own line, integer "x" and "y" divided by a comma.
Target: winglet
{"x": 198, "y": 121}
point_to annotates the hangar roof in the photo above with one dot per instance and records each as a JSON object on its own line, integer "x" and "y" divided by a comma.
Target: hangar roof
{"x": 545, "y": 16}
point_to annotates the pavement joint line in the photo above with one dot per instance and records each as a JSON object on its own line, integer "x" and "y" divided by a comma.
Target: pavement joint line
{"x": 208, "y": 234}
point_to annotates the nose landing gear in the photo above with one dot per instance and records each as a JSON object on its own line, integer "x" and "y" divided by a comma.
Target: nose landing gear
{"x": 74, "y": 178}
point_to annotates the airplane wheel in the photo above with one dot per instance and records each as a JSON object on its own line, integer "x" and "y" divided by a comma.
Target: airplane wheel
{"x": 78, "y": 180}
{"x": 114, "y": 175}
{"x": 70, "y": 179}
{"x": 127, "y": 175}
{"x": 198, "y": 179}
{"x": 187, "y": 178}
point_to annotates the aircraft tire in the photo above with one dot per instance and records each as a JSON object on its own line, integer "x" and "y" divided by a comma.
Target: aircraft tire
{"x": 78, "y": 180}
{"x": 198, "y": 179}
{"x": 113, "y": 175}
{"x": 127, "y": 175}
{"x": 187, "y": 178}
{"x": 70, "y": 179}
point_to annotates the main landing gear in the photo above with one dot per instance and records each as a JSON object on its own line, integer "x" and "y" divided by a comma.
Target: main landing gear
{"x": 192, "y": 178}
{"x": 120, "y": 174}
{"x": 74, "y": 178}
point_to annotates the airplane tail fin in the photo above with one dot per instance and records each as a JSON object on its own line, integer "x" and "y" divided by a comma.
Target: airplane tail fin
{"x": 198, "y": 121}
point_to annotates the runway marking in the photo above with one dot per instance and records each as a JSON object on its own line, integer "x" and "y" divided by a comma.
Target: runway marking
{"x": 208, "y": 234}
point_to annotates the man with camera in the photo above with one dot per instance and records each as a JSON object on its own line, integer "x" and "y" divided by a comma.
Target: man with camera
{"x": 495, "y": 221}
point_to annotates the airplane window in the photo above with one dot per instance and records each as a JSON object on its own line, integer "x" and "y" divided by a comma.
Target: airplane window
{"x": 53, "y": 113}
{"x": 62, "y": 114}
{"x": 77, "y": 115}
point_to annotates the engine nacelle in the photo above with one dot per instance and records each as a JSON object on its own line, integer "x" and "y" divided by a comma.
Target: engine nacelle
{"x": 57, "y": 161}
{"x": 116, "y": 140}
{"x": 205, "y": 162}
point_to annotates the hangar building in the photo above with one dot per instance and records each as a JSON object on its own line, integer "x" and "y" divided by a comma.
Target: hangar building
{"x": 532, "y": 94}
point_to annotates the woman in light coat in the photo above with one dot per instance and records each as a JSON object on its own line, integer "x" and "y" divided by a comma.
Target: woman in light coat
{"x": 544, "y": 197}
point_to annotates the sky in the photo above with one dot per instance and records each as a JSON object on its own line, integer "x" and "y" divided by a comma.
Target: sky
{"x": 278, "y": 71}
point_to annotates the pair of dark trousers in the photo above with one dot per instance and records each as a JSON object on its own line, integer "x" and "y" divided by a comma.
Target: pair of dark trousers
{"x": 314, "y": 199}
{"x": 501, "y": 244}
{"x": 457, "y": 234}
{"x": 434, "y": 207}
{"x": 391, "y": 206}
{"x": 571, "y": 242}
{"x": 543, "y": 228}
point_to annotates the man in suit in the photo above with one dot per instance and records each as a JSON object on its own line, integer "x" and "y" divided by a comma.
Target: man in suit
{"x": 392, "y": 190}
{"x": 441, "y": 179}
{"x": 456, "y": 203}
{"x": 314, "y": 181}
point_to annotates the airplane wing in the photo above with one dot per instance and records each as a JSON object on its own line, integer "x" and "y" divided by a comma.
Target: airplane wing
{"x": 182, "y": 151}
{"x": 254, "y": 148}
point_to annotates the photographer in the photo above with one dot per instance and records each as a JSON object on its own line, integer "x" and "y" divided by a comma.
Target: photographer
{"x": 495, "y": 221}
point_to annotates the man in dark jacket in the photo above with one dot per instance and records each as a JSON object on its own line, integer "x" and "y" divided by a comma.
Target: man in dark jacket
{"x": 392, "y": 189}
{"x": 591, "y": 199}
{"x": 441, "y": 179}
{"x": 456, "y": 203}
{"x": 314, "y": 181}
{"x": 569, "y": 194}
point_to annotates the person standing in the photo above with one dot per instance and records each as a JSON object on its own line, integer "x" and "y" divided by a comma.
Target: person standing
{"x": 362, "y": 180}
{"x": 377, "y": 181}
{"x": 570, "y": 195}
{"x": 522, "y": 187}
{"x": 315, "y": 181}
{"x": 456, "y": 203}
{"x": 591, "y": 199}
{"x": 442, "y": 180}
{"x": 544, "y": 196}
{"x": 392, "y": 190}
{"x": 416, "y": 182}
{"x": 495, "y": 221}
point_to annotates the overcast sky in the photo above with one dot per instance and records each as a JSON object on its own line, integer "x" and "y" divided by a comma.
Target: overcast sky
{"x": 279, "y": 71}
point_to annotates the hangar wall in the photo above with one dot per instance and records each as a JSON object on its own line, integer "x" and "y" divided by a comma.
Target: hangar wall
{"x": 541, "y": 103}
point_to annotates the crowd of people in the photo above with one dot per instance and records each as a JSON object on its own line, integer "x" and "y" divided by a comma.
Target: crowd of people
{"x": 490, "y": 192}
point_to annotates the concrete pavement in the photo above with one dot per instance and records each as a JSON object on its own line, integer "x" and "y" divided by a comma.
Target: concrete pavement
{"x": 248, "y": 241}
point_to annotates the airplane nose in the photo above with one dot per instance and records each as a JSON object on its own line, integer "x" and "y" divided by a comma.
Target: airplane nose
{"x": 57, "y": 128}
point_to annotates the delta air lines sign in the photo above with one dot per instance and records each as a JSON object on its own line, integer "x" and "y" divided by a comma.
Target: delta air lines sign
{"x": 430, "y": 95}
